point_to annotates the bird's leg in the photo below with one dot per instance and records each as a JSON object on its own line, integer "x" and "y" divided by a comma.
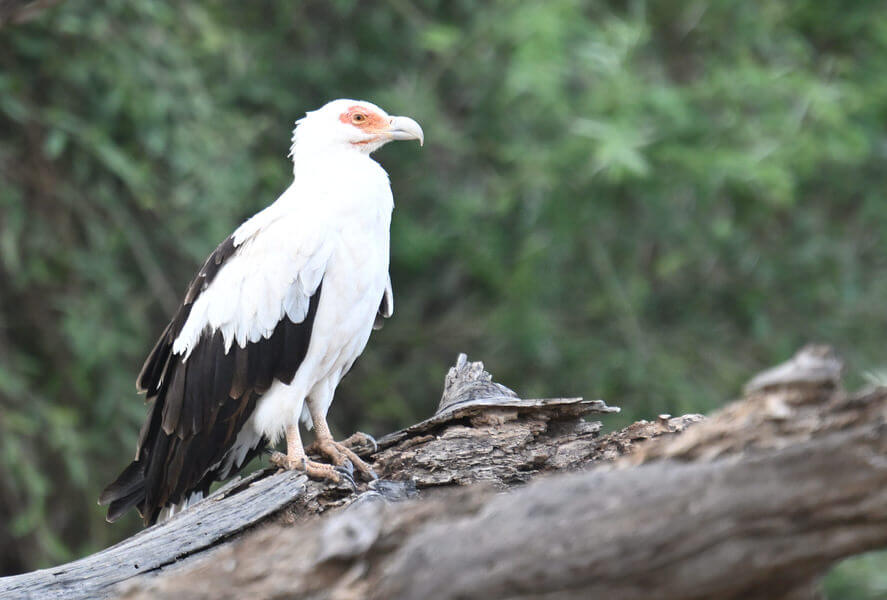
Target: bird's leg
{"x": 324, "y": 444}
{"x": 296, "y": 460}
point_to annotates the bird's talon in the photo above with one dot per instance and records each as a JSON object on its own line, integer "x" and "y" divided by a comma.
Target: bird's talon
{"x": 315, "y": 470}
{"x": 281, "y": 461}
{"x": 340, "y": 453}
{"x": 346, "y": 474}
{"x": 358, "y": 439}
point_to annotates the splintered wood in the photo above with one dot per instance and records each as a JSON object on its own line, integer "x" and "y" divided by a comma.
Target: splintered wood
{"x": 756, "y": 501}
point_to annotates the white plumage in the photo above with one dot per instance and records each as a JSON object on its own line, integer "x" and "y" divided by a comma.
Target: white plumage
{"x": 325, "y": 226}
{"x": 328, "y": 233}
{"x": 280, "y": 257}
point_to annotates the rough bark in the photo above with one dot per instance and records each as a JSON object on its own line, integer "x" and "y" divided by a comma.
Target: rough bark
{"x": 756, "y": 501}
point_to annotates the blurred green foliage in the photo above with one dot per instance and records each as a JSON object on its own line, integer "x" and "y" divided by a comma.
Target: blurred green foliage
{"x": 639, "y": 201}
{"x": 859, "y": 578}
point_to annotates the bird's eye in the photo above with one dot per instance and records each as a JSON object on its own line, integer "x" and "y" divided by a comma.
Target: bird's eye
{"x": 358, "y": 118}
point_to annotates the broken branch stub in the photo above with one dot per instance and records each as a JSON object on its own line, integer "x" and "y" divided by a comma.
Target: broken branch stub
{"x": 482, "y": 431}
{"x": 470, "y": 393}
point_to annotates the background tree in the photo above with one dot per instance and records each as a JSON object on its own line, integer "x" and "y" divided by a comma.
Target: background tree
{"x": 639, "y": 201}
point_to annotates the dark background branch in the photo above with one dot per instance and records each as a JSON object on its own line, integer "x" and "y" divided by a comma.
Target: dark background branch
{"x": 22, "y": 11}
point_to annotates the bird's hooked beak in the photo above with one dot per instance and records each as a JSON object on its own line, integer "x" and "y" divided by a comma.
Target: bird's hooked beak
{"x": 404, "y": 128}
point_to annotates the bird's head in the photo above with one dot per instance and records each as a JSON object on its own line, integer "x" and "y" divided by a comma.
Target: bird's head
{"x": 351, "y": 124}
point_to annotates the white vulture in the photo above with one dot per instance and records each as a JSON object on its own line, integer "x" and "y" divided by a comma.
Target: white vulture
{"x": 272, "y": 322}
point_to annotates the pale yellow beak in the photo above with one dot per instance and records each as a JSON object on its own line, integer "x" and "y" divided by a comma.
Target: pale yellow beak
{"x": 404, "y": 128}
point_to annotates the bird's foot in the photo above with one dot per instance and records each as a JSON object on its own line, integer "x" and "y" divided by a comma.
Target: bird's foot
{"x": 314, "y": 470}
{"x": 363, "y": 444}
{"x": 341, "y": 455}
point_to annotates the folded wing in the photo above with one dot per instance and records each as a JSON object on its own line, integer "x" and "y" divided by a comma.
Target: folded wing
{"x": 246, "y": 321}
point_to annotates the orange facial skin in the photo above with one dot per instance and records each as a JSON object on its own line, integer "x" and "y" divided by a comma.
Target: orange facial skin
{"x": 365, "y": 120}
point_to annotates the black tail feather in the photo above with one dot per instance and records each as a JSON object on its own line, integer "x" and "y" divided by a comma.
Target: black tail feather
{"x": 125, "y": 492}
{"x": 121, "y": 506}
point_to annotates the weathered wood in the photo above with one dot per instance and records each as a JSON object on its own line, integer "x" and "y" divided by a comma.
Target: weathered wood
{"x": 470, "y": 396}
{"x": 470, "y": 392}
{"x": 231, "y": 509}
{"x": 814, "y": 365}
{"x": 757, "y": 527}
{"x": 483, "y": 432}
{"x": 797, "y": 481}
{"x": 754, "y": 502}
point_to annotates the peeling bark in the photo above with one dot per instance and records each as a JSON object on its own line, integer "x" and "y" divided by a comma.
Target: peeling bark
{"x": 756, "y": 501}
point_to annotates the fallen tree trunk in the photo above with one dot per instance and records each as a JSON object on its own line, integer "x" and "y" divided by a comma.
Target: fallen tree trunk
{"x": 755, "y": 502}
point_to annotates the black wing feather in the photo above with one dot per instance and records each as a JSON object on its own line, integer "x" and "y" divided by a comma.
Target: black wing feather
{"x": 152, "y": 371}
{"x": 199, "y": 405}
{"x": 224, "y": 371}
{"x": 173, "y": 398}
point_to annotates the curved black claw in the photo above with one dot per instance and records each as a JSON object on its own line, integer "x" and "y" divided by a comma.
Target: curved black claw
{"x": 362, "y": 443}
{"x": 346, "y": 471}
{"x": 373, "y": 441}
{"x": 365, "y": 470}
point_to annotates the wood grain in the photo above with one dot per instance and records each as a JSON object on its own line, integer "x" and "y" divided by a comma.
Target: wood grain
{"x": 233, "y": 508}
{"x": 756, "y": 501}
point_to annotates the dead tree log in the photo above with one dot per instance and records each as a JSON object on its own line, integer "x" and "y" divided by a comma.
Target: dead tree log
{"x": 755, "y": 502}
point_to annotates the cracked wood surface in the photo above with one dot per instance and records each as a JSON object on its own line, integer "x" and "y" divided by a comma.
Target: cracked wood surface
{"x": 489, "y": 434}
{"x": 756, "y": 501}
{"x": 233, "y": 508}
